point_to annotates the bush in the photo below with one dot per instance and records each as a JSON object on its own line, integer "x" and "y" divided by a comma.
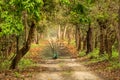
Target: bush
{"x": 17, "y": 74}
{"x": 94, "y": 54}
{"x": 81, "y": 54}
{"x": 95, "y": 57}
{"x": 115, "y": 54}
{"x": 114, "y": 65}
{"x": 25, "y": 63}
{"x": 4, "y": 65}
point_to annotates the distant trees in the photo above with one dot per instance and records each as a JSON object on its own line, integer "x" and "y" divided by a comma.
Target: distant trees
{"x": 96, "y": 24}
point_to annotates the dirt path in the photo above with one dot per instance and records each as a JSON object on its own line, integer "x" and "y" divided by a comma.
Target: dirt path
{"x": 65, "y": 69}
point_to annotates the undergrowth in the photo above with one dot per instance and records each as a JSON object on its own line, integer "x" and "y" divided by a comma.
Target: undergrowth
{"x": 95, "y": 58}
{"x": 24, "y": 63}
{"x": 5, "y": 63}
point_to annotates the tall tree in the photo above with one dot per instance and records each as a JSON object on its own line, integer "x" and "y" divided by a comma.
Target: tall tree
{"x": 80, "y": 15}
{"x": 89, "y": 39}
{"x": 12, "y": 22}
{"x": 118, "y": 30}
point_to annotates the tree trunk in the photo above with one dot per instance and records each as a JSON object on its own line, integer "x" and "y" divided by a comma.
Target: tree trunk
{"x": 17, "y": 44}
{"x": 109, "y": 49}
{"x": 117, "y": 28}
{"x": 102, "y": 25}
{"x": 89, "y": 40}
{"x": 78, "y": 38}
{"x": 96, "y": 41}
{"x": 64, "y": 33}
{"x": 109, "y": 41}
{"x": 68, "y": 36}
{"x": 37, "y": 38}
{"x": 25, "y": 48}
{"x": 26, "y": 25}
{"x": 85, "y": 43}
{"x": 102, "y": 47}
{"x": 118, "y": 37}
{"x": 59, "y": 32}
{"x": 118, "y": 32}
{"x": 108, "y": 46}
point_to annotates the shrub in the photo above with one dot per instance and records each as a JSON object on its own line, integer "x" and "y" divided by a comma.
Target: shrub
{"x": 25, "y": 63}
{"x": 4, "y": 65}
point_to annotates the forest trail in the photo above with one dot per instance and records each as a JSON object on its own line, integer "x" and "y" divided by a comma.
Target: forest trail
{"x": 64, "y": 69}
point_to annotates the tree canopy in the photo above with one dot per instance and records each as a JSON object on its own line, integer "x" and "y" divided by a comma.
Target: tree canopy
{"x": 12, "y": 14}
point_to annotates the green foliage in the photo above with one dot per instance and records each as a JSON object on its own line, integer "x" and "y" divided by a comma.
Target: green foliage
{"x": 49, "y": 5}
{"x": 35, "y": 45}
{"x": 79, "y": 13}
{"x": 81, "y": 54}
{"x": 11, "y": 26}
{"x": 11, "y": 14}
{"x": 102, "y": 16}
{"x": 25, "y": 63}
{"x": 115, "y": 54}
{"x": 17, "y": 74}
{"x": 4, "y": 65}
{"x": 66, "y": 2}
{"x": 72, "y": 42}
{"x": 113, "y": 65}
{"x": 90, "y": 1}
{"x": 94, "y": 56}
{"x": 32, "y": 7}
{"x": 80, "y": 9}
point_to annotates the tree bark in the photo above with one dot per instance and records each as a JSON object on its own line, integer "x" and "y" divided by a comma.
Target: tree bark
{"x": 96, "y": 41}
{"x": 102, "y": 25}
{"x": 25, "y": 48}
{"x": 26, "y": 25}
{"x": 89, "y": 40}
{"x": 78, "y": 38}
{"x": 108, "y": 46}
{"x": 64, "y": 33}
{"x": 85, "y": 43}
{"x": 17, "y": 44}
{"x": 37, "y": 40}
{"x": 68, "y": 36}
{"x": 59, "y": 32}
{"x": 118, "y": 37}
{"x": 117, "y": 28}
{"x": 102, "y": 47}
{"x": 118, "y": 32}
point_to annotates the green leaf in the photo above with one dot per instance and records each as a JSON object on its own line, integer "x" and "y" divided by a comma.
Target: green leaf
{"x": 90, "y": 1}
{"x": 66, "y": 2}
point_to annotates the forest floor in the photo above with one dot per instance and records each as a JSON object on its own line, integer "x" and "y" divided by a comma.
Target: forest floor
{"x": 61, "y": 68}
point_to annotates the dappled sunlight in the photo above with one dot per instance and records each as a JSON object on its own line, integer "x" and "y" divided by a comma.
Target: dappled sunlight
{"x": 59, "y": 39}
